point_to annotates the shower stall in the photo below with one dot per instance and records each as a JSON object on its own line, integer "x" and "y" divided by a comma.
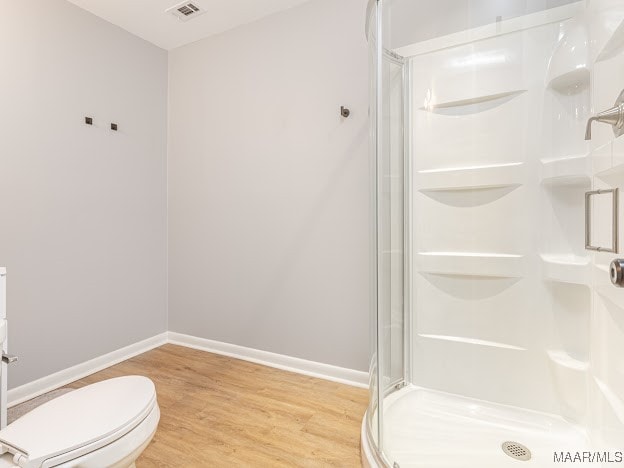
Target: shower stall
{"x": 498, "y": 321}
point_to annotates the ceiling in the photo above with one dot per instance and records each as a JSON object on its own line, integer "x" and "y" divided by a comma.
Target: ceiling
{"x": 148, "y": 20}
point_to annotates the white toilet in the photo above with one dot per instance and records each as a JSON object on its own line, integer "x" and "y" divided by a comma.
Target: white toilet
{"x": 106, "y": 424}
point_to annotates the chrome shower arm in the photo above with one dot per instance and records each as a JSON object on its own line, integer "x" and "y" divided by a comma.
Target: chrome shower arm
{"x": 588, "y": 129}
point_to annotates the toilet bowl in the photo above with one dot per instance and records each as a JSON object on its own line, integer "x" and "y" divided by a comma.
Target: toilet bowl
{"x": 106, "y": 424}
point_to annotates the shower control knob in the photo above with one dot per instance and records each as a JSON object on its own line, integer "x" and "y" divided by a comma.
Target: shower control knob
{"x": 616, "y": 271}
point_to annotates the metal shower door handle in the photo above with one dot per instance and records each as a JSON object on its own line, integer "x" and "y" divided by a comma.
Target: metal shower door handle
{"x": 614, "y": 221}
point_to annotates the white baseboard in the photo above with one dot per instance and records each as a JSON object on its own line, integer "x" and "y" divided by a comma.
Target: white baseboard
{"x": 58, "y": 379}
{"x": 279, "y": 361}
{"x": 301, "y": 366}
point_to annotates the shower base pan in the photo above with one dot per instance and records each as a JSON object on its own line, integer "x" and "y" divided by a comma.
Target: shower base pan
{"x": 430, "y": 429}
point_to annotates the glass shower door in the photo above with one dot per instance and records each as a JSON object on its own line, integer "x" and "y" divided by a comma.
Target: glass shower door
{"x": 604, "y": 26}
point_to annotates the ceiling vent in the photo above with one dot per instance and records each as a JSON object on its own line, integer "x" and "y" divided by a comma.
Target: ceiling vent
{"x": 186, "y": 10}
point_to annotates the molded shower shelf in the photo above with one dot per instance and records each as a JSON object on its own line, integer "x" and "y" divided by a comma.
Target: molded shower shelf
{"x": 563, "y": 359}
{"x": 573, "y": 170}
{"x": 566, "y": 268}
{"x": 611, "y": 398}
{"x": 602, "y": 280}
{"x": 612, "y": 175}
{"x": 614, "y": 45}
{"x": 607, "y": 290}
{"x": 570, "y": 378}
{"x": 473, "y": 105}
{"x": 471, "y": 264}
{"x": 471, "y": 177}
{"x": 472, "y": 341}
{"x": 571, "y": 82}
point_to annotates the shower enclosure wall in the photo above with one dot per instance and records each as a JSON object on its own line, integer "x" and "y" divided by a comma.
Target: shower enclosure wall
{"x": 498, "y": 334}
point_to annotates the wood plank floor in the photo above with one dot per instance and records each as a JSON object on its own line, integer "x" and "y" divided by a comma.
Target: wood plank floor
{"x": 222, "y": 412}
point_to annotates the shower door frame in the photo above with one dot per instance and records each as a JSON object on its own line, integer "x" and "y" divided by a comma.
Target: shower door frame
{"x": 407, "y": 222}
{"x": 405, "y": 378}
{"x": 385, "y": 389}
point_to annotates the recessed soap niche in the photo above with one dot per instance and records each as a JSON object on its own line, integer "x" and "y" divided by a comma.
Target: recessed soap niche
{"x": 567, "y": 94}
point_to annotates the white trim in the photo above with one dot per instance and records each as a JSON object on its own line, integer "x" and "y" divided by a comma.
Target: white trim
{"x": 319, "y": 370}
{"x": 58, "y": 379}
{"x": 279, "y": 361}
{"x": 520, "y": 23}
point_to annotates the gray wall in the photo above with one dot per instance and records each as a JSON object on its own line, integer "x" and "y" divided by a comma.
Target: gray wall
{"x": 269, "y": 186}
{"x": 82, "y": 209}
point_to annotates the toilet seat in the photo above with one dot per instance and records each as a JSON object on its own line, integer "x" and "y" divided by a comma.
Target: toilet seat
{"x": 79, "y": 422}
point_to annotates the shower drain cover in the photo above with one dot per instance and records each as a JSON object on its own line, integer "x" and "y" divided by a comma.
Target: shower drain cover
{"x": 516, "y": 450}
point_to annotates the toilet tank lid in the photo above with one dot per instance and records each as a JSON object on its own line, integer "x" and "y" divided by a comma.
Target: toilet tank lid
{"x": 91, "y": 416}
